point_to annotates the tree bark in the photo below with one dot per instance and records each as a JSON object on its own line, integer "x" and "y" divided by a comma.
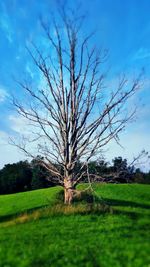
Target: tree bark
{"x": 68, "y": 191}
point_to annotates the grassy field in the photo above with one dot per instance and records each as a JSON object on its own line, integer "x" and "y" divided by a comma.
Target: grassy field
{"x": 37, "y": 230}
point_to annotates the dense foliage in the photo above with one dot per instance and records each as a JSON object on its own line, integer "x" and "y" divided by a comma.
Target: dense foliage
{"x": 24, "y": 176}
{"x": 15, "y": 177}
{"x": 119, "y": 172}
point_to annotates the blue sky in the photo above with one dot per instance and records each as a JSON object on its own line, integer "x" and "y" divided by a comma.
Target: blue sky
{"x": 123, "y": 27}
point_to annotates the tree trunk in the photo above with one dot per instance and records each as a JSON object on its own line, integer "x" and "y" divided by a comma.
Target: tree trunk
{"x": 68, "y": 191}
{"x": 68, "y": 195}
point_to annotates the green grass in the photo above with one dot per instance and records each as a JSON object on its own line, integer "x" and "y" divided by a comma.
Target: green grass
{"x": 37, "y": 230}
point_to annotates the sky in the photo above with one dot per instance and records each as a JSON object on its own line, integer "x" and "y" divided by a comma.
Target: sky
{"x": 123, "y": 27}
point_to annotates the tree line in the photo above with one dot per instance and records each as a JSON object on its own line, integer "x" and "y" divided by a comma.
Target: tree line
{"x": 25, "y": 176}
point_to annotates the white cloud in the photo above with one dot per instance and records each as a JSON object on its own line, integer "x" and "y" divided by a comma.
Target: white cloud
{"x": 3, "y": 138}
{"x": 9, "y": 153}
{"x": 133, "y": 143}
{"x": 19, "y": 124}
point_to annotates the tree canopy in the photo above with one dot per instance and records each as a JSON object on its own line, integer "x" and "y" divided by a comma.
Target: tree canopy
{"x": 74, "y": 114}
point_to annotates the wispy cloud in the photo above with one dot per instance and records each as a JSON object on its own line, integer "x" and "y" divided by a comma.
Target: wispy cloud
{"x": 3, "y": 94}
{"x": 133, "y": 143}
{"x": 19, "y": 124}
{"x": 141, "y": 53}
{"x": 3, "y": 138}
{"x": 6, "y": 25}
{"x": 29, "y": 71}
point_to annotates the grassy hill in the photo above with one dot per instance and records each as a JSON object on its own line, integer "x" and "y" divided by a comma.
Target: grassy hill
{"x": 37, "y": 230}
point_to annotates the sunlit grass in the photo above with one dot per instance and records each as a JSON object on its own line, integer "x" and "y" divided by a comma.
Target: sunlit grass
{"x": 112, "y": 230}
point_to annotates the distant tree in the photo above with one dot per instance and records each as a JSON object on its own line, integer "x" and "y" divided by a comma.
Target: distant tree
{"x": 121, "y": 169}
{"x": 75, "y": 116}
{"x": 146, "y": 178}
{"x": 41, "y": 178}
{"x": 98, "y": 167}
{"x": 38, "y": 178}
{"x": 119, "y": 164}
{"x": 102, "y": 167}
{"x": 15, "y": 177}
{"x": 140, "y": 177}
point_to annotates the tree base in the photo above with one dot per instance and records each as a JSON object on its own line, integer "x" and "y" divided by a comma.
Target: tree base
{"x": 68, "y": 195}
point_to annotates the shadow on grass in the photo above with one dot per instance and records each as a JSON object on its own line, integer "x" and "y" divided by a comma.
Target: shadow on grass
{"x": 89, "y": 197}
{"x": 124, "y": 203}
{"x": 5, "y": 218}
{"x": 85, "y": 203}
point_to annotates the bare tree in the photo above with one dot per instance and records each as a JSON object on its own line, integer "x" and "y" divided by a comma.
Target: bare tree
{"x": 74, "y": 113}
